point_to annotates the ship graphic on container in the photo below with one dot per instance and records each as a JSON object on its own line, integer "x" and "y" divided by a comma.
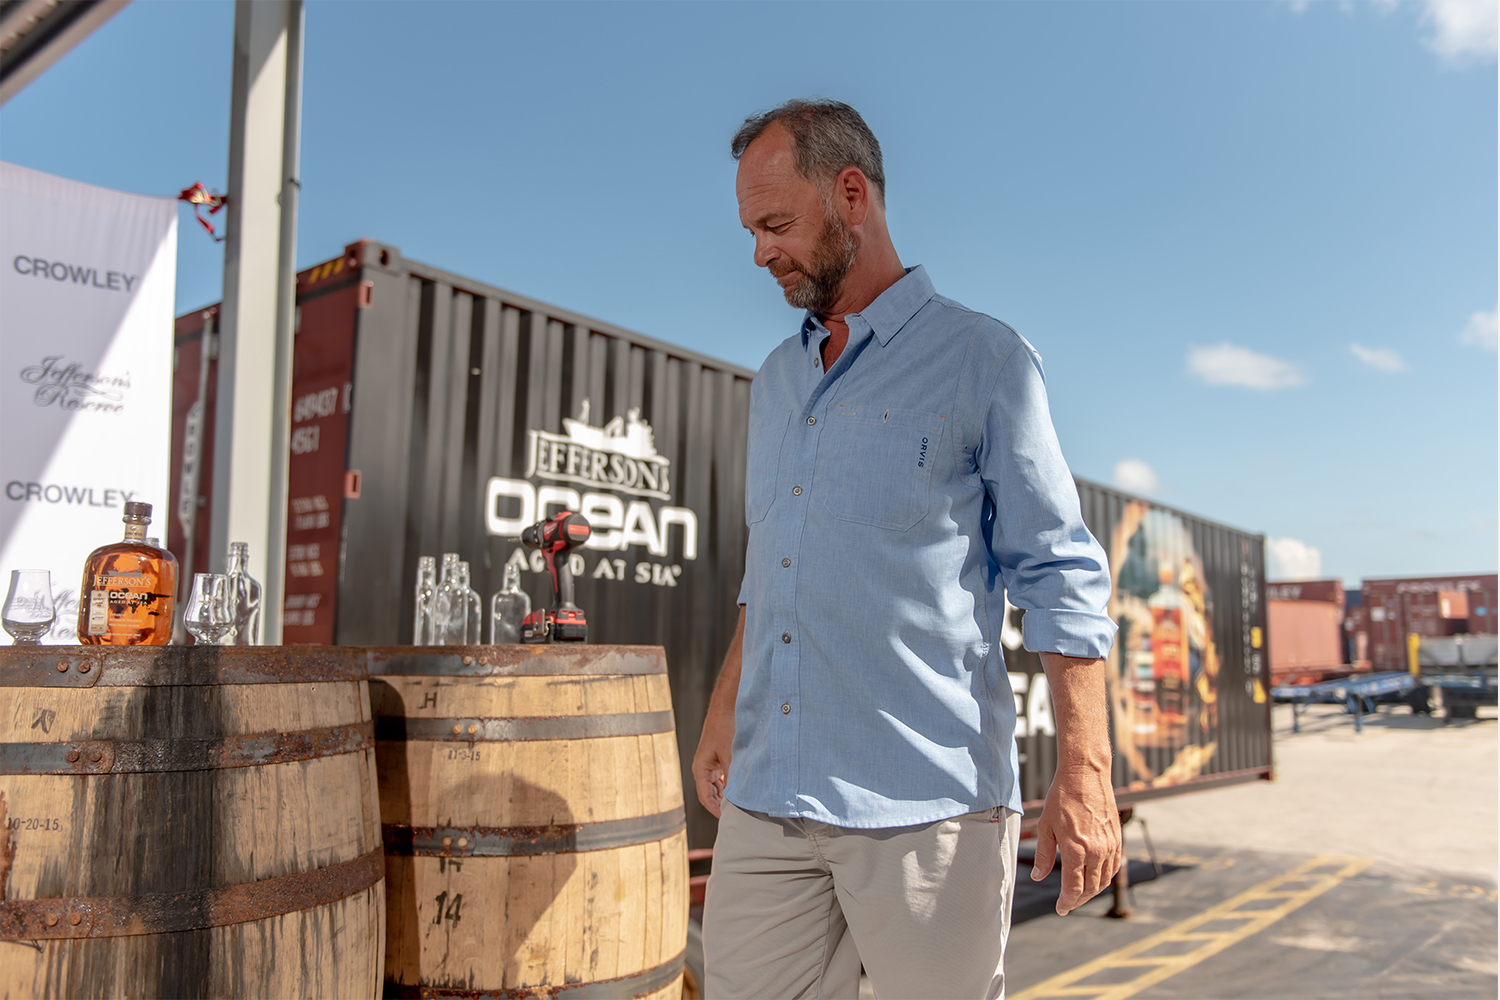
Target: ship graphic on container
{"x": 620, "y": 456}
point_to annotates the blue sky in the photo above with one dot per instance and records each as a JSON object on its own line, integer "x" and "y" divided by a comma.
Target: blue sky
{"x": 1255, "y": 243}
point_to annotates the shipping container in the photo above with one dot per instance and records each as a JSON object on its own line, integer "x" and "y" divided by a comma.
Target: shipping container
{"x": 1330, "y": 591}
{"x": 1305, "y": 631}
{"x": 1427, "y": 606}
{"x": 434, "y": 413}
{"x": 1189, "y": 680}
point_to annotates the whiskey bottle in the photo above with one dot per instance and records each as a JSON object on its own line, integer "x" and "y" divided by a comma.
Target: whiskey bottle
{"x": 125, "y": 598}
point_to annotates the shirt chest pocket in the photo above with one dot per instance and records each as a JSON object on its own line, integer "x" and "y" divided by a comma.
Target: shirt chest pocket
{"x": 762, "y": 459}
{"x": 877, "y": 464}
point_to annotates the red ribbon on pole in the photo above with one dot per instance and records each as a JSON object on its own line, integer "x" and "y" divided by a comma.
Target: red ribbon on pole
{"x": 198, "y": 196}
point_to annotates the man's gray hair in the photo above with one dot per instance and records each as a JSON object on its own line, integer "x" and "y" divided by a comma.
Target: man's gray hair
{"x": 827, "y": 136}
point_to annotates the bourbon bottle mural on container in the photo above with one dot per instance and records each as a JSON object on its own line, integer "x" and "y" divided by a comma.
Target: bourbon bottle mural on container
{"x": 125, "y": 598}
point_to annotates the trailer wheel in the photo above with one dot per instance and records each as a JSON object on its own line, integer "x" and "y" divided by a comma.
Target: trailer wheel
{"x": 692, "y": 968}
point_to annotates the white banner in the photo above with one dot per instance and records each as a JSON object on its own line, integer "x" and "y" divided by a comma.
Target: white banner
{"x": 87, "y": 283}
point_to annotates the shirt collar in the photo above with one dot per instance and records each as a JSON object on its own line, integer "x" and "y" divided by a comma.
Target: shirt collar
{"x": 890, "y": 311}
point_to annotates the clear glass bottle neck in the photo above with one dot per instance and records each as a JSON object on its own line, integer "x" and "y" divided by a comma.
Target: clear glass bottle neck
{"x": 236, "y": 561}
{"x": 512, "y": 580}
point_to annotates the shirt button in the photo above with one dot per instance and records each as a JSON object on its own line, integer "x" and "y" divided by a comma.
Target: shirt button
{"x": 786, "y": 708}
{"x": 811, "y": 421}
{"x": 786, "y": 637}
{"x": 786, "y": 563}
{"x": 796, "y": 491}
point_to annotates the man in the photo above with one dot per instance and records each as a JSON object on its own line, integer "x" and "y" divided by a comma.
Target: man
{"x": 859, "y": 746}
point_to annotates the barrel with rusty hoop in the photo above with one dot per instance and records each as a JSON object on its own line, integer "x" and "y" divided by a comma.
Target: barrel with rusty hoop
{"x": 533, "y": 816}
{"x": 188, "y": 822}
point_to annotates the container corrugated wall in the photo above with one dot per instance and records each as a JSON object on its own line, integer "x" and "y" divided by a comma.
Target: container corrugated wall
{"x": 477, "y": 411}
{"x": 1188, "y": 681}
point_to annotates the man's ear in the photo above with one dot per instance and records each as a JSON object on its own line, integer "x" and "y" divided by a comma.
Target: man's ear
{"x": 851, "y": 193}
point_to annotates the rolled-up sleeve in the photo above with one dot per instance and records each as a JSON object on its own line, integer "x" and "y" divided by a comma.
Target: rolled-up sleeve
{"x": 1051, "y": 565}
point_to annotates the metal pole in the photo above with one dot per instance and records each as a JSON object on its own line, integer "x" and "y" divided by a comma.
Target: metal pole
{"x": 286, "y": 329}
{"x": 255, "y": 319}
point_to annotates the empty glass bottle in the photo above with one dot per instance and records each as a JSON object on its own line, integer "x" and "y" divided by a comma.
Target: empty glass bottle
{"x": 449, "y": 607}
{"x": 508, "y": 608}
{"x": 244, "y": 595}
{"x": 473, "y": 609}
{"x": 421, "y": 626}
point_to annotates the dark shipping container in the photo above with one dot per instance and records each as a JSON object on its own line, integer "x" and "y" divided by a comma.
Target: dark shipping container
{"x": 433, "y": 413}
{"x": 1188, "y": 677}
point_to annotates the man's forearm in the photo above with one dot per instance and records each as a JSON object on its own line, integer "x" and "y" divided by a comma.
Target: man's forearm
{"x": 1080, "y": 704}
{"x": 727, "y": 687}
{"x": 711, "y": 762}
{"x": 1080, "y": 819}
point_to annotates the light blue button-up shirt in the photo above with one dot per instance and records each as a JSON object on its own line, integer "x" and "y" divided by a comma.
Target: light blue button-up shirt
{"x": 892, "y": 500}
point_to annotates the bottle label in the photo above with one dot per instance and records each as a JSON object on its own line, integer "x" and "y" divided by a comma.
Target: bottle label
{"x": 127, "y": 602}
{"x": 98, "y": 613}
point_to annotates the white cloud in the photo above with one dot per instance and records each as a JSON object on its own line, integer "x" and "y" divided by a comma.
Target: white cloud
{"x": 1230, "y": 364}
{"x": 1134, "y": 476}
{"x": 1460, "y": 28}
{"x": 1479, "y": 331}
{"x": 1380, "y": 358}
{"x": 1457, "y": 30}
{"x": 1292, "y": 559}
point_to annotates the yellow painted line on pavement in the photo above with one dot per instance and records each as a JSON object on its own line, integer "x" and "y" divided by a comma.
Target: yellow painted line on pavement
{"x": 1320, "y": 874}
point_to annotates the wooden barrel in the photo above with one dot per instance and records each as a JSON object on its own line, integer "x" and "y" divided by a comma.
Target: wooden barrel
{"x": 534, "y": 831}
{"x": 188, "y": 822}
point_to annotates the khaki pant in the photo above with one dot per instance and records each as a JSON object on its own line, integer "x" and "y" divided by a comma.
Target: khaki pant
{"x": 793, "y": 906}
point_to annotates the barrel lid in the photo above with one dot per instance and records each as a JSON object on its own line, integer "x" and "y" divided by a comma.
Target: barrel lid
{"x": 515, "y": 660}
{"x": 173, "y": 666}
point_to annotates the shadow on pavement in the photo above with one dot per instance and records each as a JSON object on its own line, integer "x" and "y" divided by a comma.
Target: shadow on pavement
{"x": 1038, "y": 899}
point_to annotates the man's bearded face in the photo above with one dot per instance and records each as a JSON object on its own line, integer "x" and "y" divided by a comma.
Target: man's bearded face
{"x": 823, "y": 273}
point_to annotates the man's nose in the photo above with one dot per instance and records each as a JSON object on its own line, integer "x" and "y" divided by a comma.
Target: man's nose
{"x": 765, "y": 252}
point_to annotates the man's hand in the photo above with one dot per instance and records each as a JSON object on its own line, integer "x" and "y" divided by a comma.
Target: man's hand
{"x": 711, "y": 762}
{"x": 1080, "y": 819}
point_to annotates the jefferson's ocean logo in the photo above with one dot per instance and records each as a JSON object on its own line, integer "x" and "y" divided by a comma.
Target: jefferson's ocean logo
{"x": 620, "y": 456}
{"x": 611, "y": 475}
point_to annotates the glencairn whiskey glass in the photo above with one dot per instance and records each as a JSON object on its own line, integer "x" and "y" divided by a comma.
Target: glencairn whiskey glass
{"x": 29, "y": 612}
{"x": 210, "y": 611}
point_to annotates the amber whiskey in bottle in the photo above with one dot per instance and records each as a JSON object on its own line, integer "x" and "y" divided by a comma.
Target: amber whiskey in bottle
{"x": 127, "y": 591}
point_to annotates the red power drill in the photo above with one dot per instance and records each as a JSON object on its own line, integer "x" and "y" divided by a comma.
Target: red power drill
{"x": 555, "y": 537}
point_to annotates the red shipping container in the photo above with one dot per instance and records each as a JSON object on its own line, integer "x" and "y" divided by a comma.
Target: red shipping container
{"x": 1304, "y": 635}
{"x": 1398, "y": 606}
{"x": 322, "y": 371}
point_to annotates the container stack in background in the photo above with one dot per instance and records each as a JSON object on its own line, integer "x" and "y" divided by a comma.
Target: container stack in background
{"x": 1451, "y": 615}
